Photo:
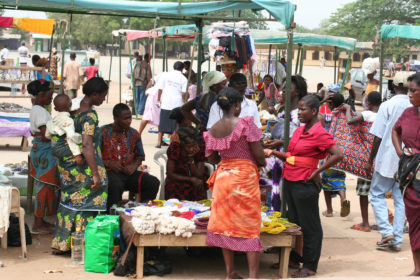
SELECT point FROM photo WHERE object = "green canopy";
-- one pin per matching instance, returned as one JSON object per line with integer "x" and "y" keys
{"x": 281, "y": 10}
{"x": 401, "y": 31}
{"x": 267, "y": 37}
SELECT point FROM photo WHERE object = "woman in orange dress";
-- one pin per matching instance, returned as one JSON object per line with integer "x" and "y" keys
{"x": 235, "y": 219}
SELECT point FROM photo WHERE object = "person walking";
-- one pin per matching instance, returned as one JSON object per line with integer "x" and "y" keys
{"x": 383, "y": 176}
{"x": 407, "y": 131}
{"x": 172, "y": 87}
{"x": 23, "y": 60}
{"x": 142, "y": 76}
{"x": 73, "y": 76}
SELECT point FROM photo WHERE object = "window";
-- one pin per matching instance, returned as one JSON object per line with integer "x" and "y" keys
{"x": 315, "y": 55}
{"x": 304, "y": 54}
{"x": 414, "y": 57}
{"x": 398, "y": 59}
{"x": 327, "y": 55}
{"x": 135, "y": 45}
{"x": 365, "y": 55}
{"x": 356, "y": 56}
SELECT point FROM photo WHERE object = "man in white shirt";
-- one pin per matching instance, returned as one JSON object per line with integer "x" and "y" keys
{"x": 4, "y": 53}
{"x": 386, "y": 165}
{"x": 23, "y": 60}
{"x": 248, "y": 106}
{"x": 172, "y": 87}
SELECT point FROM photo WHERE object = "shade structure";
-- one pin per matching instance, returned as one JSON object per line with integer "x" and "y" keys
{"x": 267, "y": 37}
{"x": 43, "y": 26}
{"x": 281, "y": 10}
{"x": 400, "y": 31}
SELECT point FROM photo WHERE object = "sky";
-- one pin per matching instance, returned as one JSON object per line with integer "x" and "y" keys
{"x": 310, "y": 13}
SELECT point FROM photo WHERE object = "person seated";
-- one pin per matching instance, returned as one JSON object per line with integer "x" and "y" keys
{"x": 62, "y": 124}
{"x": 185, "y": 167}
{"x": 122, "y": 154}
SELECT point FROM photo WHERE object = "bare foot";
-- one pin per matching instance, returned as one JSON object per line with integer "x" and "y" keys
{"x": 415, "y": 273}
{"x": 233, "y": 275}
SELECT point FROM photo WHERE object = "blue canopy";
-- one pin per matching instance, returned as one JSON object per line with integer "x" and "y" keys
{"x": 281, "y": 10}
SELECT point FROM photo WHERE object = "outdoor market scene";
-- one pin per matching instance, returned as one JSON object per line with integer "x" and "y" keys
{"x": 225, "y": 139}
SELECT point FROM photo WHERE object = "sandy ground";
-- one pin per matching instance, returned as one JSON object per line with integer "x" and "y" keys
{"x": 346, "y": 253}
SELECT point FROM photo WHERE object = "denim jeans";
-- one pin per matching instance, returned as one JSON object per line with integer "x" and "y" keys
{"x": 379, "y": 186}
{"x": 140, "y": 99}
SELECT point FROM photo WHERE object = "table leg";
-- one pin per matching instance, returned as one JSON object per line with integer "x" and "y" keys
{"x": 140, "y": 261}
{"x": 24, "y": 144}
{"x": 284, "y": 262}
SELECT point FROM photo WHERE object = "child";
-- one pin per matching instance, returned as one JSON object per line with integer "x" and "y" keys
{"x": 62, "y": 124}
{"x": 192, "y": 90}
{"x": 333, "y": 181}
{"x": 92, "y": 70}
{"x": 373, "y": 101}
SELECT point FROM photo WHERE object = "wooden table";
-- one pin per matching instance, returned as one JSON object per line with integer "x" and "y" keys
{"x": 286, "y": 241}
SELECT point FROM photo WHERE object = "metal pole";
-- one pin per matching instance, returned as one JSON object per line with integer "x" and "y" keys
{"x": 297, "y": 59}
{"x": 287, "y": 103}
{"x": 110, "y": 67}
{"x": 164, "y": 54}
{"x": 381, "y": 61}
{"x": 51, "y": 43}
{"x": 347, "y": 70}
{"x": 133, "y": 86}
{"x": 119, "y": 52}
{"x": 269, "y": 59}
{"x": 200, "y": 51}
{"x": 335, "y": 65}
{"x": 301, "y": 61}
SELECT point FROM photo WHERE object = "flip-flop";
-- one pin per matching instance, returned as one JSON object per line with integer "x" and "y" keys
{"x": 303, "y": 271}
{"x": 345, "y": 209}
{"x": 325, "y": 213}
{"x": 360, "y": 228}
{"x": 385, "y": 242}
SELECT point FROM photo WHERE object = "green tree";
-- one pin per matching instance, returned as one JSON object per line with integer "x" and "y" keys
{"x": 363, "y": 19}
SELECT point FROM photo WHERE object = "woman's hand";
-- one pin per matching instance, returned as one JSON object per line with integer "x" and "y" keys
{"x": 79, "y": 160}
{"x": 197, "y": 183}
{"x": 316, "y": 178}
{"x": 346, "y": 107}
{"x": 272, "y": 144}
{"x": 268, "y": 152}
{"x": 96, "y": 182}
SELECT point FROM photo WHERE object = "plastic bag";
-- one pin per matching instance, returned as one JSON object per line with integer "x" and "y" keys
{"x": 100, "y": 236}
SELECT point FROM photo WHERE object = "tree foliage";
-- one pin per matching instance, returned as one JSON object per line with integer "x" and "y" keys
{"x": 363, "y": 19}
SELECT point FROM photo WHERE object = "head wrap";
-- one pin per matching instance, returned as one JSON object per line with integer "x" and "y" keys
{"x": 334, "y": 88}
{"x": 212, "y": 78}
{"x": 400, "y": 78}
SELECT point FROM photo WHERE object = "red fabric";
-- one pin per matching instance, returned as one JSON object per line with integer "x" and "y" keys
{"x": 408, "y": 126}
{"x": 314, "y": 143}
{"x": 234, "y": 243}
{"x": 235, "y": 145}
{"x": 187, "y": 215}
{"x": 91, "y": 72}
{"x": 123, "y": 148}
{"x": 412, "y": 212}
{"x": 139, "y": 186}
{"x": 324, "y": 109}
{"x": 354, "y": 141}
{"x": 6, "y": 21}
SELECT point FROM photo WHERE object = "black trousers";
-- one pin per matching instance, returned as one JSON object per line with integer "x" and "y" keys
{"x": 120, "y": 182}
{"x": 302, "y": 203}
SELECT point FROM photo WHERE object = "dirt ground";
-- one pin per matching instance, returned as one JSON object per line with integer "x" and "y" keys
{"x": 346, "y": 253}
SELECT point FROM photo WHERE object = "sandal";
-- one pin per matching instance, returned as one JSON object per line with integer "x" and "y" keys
{"x": 360, "y": 228}
{"x": 345, "y": 209}
{"x": 385, "y": 242}
{"x": 303, "y": 273}
{"x": 328, "y": 215}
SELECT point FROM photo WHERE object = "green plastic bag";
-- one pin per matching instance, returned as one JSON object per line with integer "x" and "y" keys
{"x": 100, "y": 235}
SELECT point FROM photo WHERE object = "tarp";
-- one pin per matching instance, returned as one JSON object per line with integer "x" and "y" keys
{"x": 266, "y": 37}
{"x": 43, "y": 26}
{"x": 281, "y": 10}
{"x": 401, "y": 31}
{"x": 135, "y": 34}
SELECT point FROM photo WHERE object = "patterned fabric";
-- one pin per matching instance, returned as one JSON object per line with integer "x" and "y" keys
{"x": 236, "y": 206}
{"x": 235, "y": 145}
{"x": 362, "y": 187}
{"x": 234, "y": 243}
{"x": 54, "y": 67}
{"x": 78, "y": 202}
{"x": 354, "y": 141}
{"x": 202, "y": 114}
{"x": 333, "y": 180}
{"x": 124, "y": 148}
{"x": 44, "y": 171}
{"x": 178, "y": 189}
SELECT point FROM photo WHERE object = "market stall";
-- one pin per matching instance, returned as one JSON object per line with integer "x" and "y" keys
{"x": 14, "y": 122}
{"x": 395, "y": 31}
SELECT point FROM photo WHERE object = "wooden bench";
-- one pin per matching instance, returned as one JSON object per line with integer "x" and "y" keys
{"x": 286, "y": 241}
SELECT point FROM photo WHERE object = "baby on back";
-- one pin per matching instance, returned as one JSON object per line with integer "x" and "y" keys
{"x": 62, "y": 124}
